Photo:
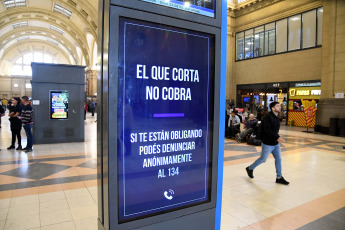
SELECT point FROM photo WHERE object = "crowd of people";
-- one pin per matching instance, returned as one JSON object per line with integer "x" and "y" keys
{"x": 20, "y": 115}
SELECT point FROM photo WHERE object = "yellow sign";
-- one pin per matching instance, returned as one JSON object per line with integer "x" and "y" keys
{"x": 292, "y": 92}
{"x": 301, "y": 92}
{"x": 316, "y": 92}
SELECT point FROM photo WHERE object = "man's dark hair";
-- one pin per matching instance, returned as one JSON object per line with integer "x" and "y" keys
{"x": 273, "y": 104}
{"x": 25, "y": 98}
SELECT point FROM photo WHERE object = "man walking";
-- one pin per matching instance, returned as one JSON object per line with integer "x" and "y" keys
{"x": 270, "y": 143}
{"x": 27, "y": 121}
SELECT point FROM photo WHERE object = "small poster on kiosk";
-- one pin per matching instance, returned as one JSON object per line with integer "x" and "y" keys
{"x": 165, "y": 118}
{"x": 59, "y": 104}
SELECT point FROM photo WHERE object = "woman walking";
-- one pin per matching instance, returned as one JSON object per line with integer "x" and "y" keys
{"x": 16, "y": 123}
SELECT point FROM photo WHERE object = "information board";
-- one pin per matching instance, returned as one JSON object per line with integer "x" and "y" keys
{"x": 165, "y": 118}
{"x": 202, "y": 7}
{"x": 59, "y": 104}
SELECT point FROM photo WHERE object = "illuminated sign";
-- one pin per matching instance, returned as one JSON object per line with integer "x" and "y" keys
{"x": 59, "y": 104}
{"x": 292, "y": 92}
{"x": 316, "y": 92}
{"x": 165, "y": 117}
{"x": 203, "y": 7}
{"x": 308, "y": 84}
{"x": 302, "y": 92}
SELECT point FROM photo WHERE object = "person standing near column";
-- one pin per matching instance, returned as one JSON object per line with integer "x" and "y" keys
{"x": 270, "y": 143}
{"x": 27, "y": 120}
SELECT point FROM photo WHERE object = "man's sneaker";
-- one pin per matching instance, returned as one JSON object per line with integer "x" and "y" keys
{"x": 29, "y": 150}
{"x": 282, "y": 181}
{"x": 250, "y": 172}
{"x": 19, "y": 147}
{"x": 11, "y": 147}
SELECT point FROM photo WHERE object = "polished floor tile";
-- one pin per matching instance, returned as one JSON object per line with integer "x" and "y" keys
{"x": 54, "y": 187}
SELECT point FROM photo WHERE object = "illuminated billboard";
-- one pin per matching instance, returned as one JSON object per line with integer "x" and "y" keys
{"x": 58, "y": 104}
{"x": 165, "y": 118}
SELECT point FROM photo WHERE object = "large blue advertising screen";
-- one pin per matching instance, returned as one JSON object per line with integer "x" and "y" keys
{"x": 202, "y": 7}
{"x": 165, "y": 118}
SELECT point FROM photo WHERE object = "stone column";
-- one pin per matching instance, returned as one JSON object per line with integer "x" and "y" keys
{"x": 91, "y": 76}
{"x": 333, "y": 65}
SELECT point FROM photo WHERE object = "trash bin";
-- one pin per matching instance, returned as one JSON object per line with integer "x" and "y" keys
{"x": 342, "y": 127}
{"x": 333, "y": 126}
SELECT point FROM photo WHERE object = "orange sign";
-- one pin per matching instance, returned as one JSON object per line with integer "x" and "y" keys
{"x": 310, "y": 113}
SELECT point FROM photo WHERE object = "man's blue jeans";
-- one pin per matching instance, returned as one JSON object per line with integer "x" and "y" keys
{"x": 265, "y": 152}
{"x": 29, "y": 136}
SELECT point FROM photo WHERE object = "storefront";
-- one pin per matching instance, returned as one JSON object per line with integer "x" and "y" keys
{"x": 298, "y": 95}
{"x": 257, "y": 97}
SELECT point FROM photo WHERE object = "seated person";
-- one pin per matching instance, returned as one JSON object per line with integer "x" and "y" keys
{"x": 249, "y": 128}
{"x": 233, "y": 124}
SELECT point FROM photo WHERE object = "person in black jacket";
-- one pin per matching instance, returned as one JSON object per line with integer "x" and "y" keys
{"x": 270, "y": 143}
{"x": 16, "y": 123}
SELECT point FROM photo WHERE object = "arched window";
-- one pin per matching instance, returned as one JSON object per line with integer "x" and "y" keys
{"x": 22, "y": 66}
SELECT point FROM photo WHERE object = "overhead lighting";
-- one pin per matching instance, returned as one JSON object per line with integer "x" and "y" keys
{"x": 186, "y": 4}
{"x": 15, "y": 85}
{"x": 62, "y": 10}
{"x": 57, "y": 29}
{"x": 246, "y": 48}
{"x": 14, "y": 3}
{"x": 19, "y": 24}
{"x": 52, "y": 41}
{"x": 22, "y": 38}
{"x": 295, "y": 18}
{"x": 250, "y": 43}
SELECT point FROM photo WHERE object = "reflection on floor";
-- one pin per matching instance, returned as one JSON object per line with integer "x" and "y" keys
{"x": 54, "y": 187}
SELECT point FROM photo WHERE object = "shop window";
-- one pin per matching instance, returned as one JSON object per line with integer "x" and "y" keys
{"x": 270, "y": 39}
{"x": 239, "y": 46}
{"x": 259, "y": 41}
{"x": 309, "y": 29}
{"x": 319, "y": 26}
{"x": 294, "y": 40}
{"x": 281, "y": 36}
{"x": 249, "y": 42}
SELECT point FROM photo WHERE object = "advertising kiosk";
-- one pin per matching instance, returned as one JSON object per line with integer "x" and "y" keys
{"x": 160, "y": 141}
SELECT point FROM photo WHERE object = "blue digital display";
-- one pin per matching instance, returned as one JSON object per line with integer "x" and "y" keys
{"x": 165, "y": 118}
{"x": 203, "y": 7}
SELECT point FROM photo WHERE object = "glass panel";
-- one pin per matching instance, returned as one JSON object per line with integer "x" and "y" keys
{"x": 309, "y": 29}
{"x": 28, "y": 59}
{"x": 270, "y": 39}
{"x": 19, "y": 60}
{"x": 282, "y": 36}
{"x": 48, "y": 58}
{"x": 239, "y": 46}
{"x": 27, "y": 71}
{"x": 319, "y": 25}
{"x": 259, "y": 41}
{"x": 249, "y": 43}
{"x": 17, "y": 70}
{"x": 295, "y": 32}
{"x": 38, "y": 57}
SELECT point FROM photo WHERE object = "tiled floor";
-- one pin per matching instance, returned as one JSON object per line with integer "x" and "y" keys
{"x": 54, "y": 187}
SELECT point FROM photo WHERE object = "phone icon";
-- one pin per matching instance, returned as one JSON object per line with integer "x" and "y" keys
{"x": 168, "y": 194}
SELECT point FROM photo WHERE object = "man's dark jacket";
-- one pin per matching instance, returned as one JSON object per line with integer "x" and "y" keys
{"x": 269, "y": 129}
